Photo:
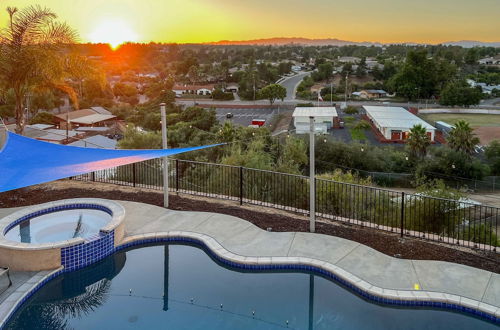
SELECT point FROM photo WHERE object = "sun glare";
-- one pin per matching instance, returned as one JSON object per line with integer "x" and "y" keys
{"x": 113, "y": 32}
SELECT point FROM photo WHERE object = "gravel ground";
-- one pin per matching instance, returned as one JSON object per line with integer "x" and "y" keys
{"x": 280, "y": 221}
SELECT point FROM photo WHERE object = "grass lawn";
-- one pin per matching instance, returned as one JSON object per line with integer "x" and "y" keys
{"x": 357, "y": 134}
{"x": 475, "y": 120}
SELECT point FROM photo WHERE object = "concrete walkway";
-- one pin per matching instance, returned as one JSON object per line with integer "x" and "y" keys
{"x": 240, "y": 241}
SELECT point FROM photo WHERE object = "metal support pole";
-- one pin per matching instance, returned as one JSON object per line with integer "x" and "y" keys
{"x": 402, "y": 213}
{"x": 165, "y": 159}
{"x": 241, "y": 185}
{"x": 177, "y": 175}
{"x": 134, "y": 179}
{"x": 312, "y": 180}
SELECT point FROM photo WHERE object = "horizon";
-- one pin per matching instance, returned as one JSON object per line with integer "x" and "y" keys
{"x": 197, "y": 22}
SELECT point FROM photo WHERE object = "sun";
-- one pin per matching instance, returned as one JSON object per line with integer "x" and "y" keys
{"x": 113, "y": 32}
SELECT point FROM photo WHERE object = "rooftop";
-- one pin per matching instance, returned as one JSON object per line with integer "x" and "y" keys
{"x": 315, "y": 112}
{"x": 92, "y": 119}
{"x": 96, "y": 141}
{"x": 76, "y": 114}
{"x": 395, "y": 117}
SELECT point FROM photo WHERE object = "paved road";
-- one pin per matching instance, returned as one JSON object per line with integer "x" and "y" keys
{"x": 244, "y": 117}
{"x": 494, "y": 101}
{"x": 325, "y": 103}
{"x": 291, "y": 84}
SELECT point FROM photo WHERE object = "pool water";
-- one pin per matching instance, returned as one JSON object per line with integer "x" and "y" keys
{"x": 59, "y": 226}
{"x": 181, "y": 287}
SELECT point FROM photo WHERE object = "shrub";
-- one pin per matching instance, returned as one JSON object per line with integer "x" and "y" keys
{"x": 218, "y": 94}
{"x": 363, "y": 124}
{"x": 351, "y": 110}
{"x": 304, "y": 105}
{"x": 42, "y": 118}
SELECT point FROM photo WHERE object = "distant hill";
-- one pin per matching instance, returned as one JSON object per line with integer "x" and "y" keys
{"x": 298, "y": 41}
{"x": 338, "y": 42}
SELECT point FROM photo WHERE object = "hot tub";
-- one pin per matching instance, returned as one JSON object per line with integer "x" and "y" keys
{"x": 59, "y": 226}
{"x": 69, "y": 233}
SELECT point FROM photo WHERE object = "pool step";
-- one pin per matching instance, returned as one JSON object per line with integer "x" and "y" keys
{"x": 4, "y": 279}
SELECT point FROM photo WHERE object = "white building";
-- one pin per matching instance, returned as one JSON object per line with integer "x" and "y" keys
{"x": 324, "y": 118}
{"x": 489, "y": 61}
{"x": 485, "y": 88}
{"x": 394, "y": 123}
{"x": 193, "y": 89}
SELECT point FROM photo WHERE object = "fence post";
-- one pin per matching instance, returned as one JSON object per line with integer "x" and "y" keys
{"x": 177, "y": 175}
{"x": 93, "y": 176}
{"x": 133, "y": 174}
{"x": 402, "y": 213}
{"x": 241, "y": 185}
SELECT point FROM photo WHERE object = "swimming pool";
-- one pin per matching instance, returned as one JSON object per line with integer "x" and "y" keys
{"x": 59, "y": 226}
{"x": 181, "y": 287}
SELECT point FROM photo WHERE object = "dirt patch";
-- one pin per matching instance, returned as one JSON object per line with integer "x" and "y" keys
{"x": 283, "y": 121}
{"x": 279, "y": 221}
{"x": 487, "y": 134}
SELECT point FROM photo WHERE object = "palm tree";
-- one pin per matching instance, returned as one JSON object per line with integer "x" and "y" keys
{"x": 462, "y": 138}
{"x": 418, "y": 141}
{"x": 32, "y": 55}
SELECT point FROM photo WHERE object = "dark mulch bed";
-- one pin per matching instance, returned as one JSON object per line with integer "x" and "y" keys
{"x": 387, "y": 243}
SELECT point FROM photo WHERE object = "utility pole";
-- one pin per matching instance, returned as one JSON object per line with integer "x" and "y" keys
{"x": 312, "y": 180}
{"x": 331, "y": 93}
{"x": 253, "y": 75}
{"x": 165, "y": 159}
{"x": 346, "y": 78}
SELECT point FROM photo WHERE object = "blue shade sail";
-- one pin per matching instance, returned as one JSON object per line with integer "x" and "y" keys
{"x": 25, "y": 162}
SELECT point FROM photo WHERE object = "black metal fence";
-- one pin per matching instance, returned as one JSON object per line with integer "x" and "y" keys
{"x": 456, "y": 222}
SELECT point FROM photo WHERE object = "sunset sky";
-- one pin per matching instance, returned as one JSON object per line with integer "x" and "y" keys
{"x": 182, "y": 21}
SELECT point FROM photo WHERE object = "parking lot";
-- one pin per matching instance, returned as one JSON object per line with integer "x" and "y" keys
{"x": 243, "y": 117}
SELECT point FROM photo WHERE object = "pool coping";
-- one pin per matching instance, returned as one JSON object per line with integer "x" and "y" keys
{"x": 401, "y": 297}
{"x": 7, "y": 222}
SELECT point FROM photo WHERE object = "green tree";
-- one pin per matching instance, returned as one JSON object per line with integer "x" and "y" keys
{"x": 31, "y": 56}
{"x": 492, "y": 153}
{"x": 43, "y": 118}
{"x": 273, "y": 92}
{"x": 420, "y": 76}
{"x": 418, "y": 141}
{"x": 134, "y": 139}
{"x": 459, "y": 93}
{"x": 462, "y": 138}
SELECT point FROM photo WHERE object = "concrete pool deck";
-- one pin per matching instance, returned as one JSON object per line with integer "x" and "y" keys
{"x": 239, "y": 241}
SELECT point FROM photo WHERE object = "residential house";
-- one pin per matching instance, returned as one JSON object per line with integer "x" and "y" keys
{"x": 85, "y": 117}
{"x": 232, "y": 88}
{"x": 372, "y": 94}
{"x": 180, "y": 90}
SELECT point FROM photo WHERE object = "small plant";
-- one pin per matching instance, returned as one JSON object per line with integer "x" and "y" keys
{"x": 351, "y": 110}
{"x": 363, "y": 124}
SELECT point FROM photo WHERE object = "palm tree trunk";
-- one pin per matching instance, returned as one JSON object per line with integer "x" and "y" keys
{"x": 20, "y": 118}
